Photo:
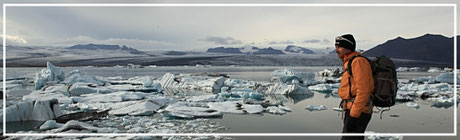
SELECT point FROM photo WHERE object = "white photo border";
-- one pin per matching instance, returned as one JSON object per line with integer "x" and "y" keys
{"x": 454, "y": 6}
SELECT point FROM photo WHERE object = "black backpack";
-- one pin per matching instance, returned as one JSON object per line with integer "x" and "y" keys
{"x": 385, "y": 80}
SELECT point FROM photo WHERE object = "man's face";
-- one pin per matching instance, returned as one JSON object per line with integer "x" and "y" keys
{"x": 341, "y": 51}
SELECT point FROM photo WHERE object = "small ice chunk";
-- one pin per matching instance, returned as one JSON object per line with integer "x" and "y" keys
{"x": 316, "y": 107}
{"x": 442, "y": 102}
{"x": 50, "y": 124}
{"x": 413, "y": 105}
{"x": 76, "y": 125}
{"x": 371, "y": 135}
{"x": 285, "y": 108}
{"x": 337, "y": 109}
{"x": 275, "y": 110}
{"x": 227, "y": 107}
{"x": 402, "y": 69}
{"x": 189, "y": 112}
{"x": 323, "y": 87}
{"x": 252, "y": 109}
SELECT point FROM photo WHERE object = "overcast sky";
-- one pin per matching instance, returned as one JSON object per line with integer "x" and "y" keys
{"x": 199, "y": 28}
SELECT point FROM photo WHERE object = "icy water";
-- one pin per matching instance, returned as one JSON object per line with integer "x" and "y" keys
{"x": 401, "y": 118}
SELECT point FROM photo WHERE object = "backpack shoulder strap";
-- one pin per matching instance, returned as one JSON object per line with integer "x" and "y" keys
{"x": 349, "y": 64}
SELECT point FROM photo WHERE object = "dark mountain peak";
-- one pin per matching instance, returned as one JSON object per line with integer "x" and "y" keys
{"x": 428, "y": 47}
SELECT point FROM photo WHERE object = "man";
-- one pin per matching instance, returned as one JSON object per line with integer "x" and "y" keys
{"x": 356, "y": 89}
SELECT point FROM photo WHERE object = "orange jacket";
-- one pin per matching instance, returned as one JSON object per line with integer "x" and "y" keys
{"x": 362, "y": 85}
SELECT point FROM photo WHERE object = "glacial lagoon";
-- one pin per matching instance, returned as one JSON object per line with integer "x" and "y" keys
{"x": 404, "y": 117}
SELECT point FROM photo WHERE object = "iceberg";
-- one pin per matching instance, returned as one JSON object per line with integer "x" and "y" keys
{"x": 291, "y": 76}
{"x": 442, "y": 102}
{"x": 78, "y": 76}
{"x": 316, "y": 107}
{"x": 205, "y": 98}
{"x": 281, "y": 88}
{"x": 39, "y": 110}
{"x": 447, "y": 78}
{"x": 330, "y": 73}
{"x": 185, "y": 82}
{"x": 51, "y": 74}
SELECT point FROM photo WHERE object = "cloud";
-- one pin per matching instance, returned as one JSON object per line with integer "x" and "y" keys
{"x": 281, "y": 42}
{"x": 222, "y": 40}
{"x": 14, "y": 40}
{"x": 326, "y": 41}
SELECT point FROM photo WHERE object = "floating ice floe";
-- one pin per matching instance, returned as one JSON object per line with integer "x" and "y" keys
{"x": 447, "y": 78}
{"x": 280, "y": 88}
{"x": 275, "y": 110}
{"x": 316, "y": 107}
{"x": 428, "y": 80}
{"x": 141, "y": 109}
{"x": 39, "y": 110}
{"x": 227, "y": 107}
{"x": 79, "y": 88}
{"x": 373, "y": 136}
{"x": 442, "y": 102}
{"x": 413, "y": 105}
{"x": 119, "y": 96}
{"x": 174, "y": 83}
{"x": 406, "y": 96}
{"x": 51, "y": 74}
{"x": 402, "y": 69}
{"x": 72, "y": 125}
{"x": 291, "y": 76}
{"x": 205, "y": 98}
{"x": 239, "y": 83}
{"x": 244, "y": 93}
{"x": 78, "y": 76}
{"x": 187, "y": 111}
{"x": 435, "y": 69}
{"x": 50, "y": 124}
{"x": 62, "y": 97}
{"x": 252, "y": 109}
{"x": 324, "y": 87}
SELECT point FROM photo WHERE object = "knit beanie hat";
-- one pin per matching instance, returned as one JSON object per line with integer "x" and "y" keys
{"x": 346, "y": 41}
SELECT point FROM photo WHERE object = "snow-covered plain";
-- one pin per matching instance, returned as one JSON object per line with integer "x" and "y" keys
{"x": 184, "y": 102}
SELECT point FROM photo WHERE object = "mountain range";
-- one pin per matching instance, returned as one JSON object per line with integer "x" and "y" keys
{"x": 106, "y": 47}
{"x": 426, "y": 50}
